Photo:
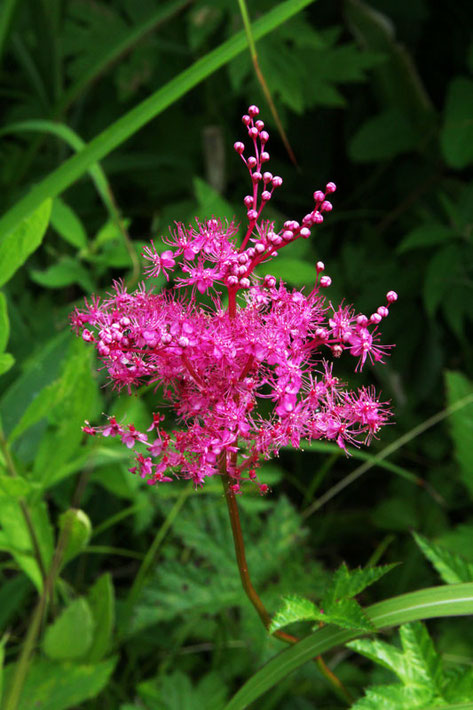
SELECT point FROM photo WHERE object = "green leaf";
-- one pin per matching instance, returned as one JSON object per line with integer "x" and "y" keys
{"x": 18, "y": 537}
{"x": 70, "y": 636}
{"x": 452, "y": 568}
{"x": 426, "y": 235}
{"x": 64, "y": 436}
{"x": 461, "y": 424}
{"x": 383, "y": 137}
{"x": 6, "y": 362}
{"x": 79, "y": 530}
{"x": 13, "y": 593}
{"x": 293, "y": 609}
{"x": 176, "y": 692}
{"x": 349, "y": 583}
{"x": 441, "y": 277}
{"x": 58, "y": 686}
{"x": 101, "y": 598}
{"x": 395, "y": 697}
{"x": 211, "y": 203}
{"x": 4, "y": 323}
{"x": 418, "y": 666}
{"x": 22, "y": 238}
{"x": 126, "y": 126}
{"x": 448, "y": 600}
{"x": 67, "y": 224}
{"x": 2, "y": 659}
{"x": 457, "y": 132}
{"x": 66, "y": 272}
{"x": 40, "y": 407}
{"x": 14, "y": 487}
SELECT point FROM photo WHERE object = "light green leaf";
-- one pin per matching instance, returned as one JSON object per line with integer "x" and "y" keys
{"x": 461, "y": 424}
{"x": 452, "y": 568}
{"x": 23, "y": 239}
{"x": 6, "y": 362}
{"x": 382, "y": 653}
{"x": 58, "y": 686}
{"x": 101, "y": 598}
{"x": 66, "y": 272}
{"x": 78, "y": 529}
{"x": 2, "y": 658}
{"x": 382, "y": 137}
{"x": 14, "y": 487}
{"x": 294, "y": 609}
{"x": 4, "y": 323}
{"x": 70, "y": 635}
{"x": 177, "y": 692}
{"x": 346, "y": 613}
{"x": 79, "y": 396}
{"x": 67, "y": 224}
{"x": 395, "y": 697}
{"x": 457, "y": 132}
{"x": 18, "y": 537}
{"x": 426, "y": 236}
{"x": 349, "y": 583}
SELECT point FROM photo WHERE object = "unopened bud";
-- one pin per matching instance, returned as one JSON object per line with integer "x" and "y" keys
{"x": 391, "y": 296}
{"x": 325, "y": 281}
{"x": 239, "y": 147}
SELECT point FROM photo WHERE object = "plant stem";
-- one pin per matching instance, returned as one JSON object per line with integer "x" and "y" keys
{"x": 253, "y": 596}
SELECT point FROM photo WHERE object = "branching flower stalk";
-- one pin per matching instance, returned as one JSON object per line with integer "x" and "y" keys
{"x": 244, "y": 376}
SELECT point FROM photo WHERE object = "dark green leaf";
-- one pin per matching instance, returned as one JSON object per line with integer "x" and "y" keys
{"x": 457, "y": 132}
{"x": 426, "y": 235}
{"x": 101, "y": 598}
{"x": 4, "y": 323}
{"x": 461, "y": 424}
{"x": 383, "y": 137}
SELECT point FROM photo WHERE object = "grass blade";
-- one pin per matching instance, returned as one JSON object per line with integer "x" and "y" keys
{"x": 434, "y": 602}
{"x": 131, "y": 122}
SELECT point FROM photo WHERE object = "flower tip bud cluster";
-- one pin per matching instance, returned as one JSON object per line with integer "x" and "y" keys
{"x": 216, "y": 366}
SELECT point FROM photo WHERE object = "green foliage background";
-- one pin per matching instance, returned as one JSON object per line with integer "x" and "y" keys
{"x": 118, "y": 118}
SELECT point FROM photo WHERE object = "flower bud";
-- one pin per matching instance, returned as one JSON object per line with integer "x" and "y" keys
{"x": 319, "y": 196}
{"x": 277, "y": 181}
{"x": 330, "y": 187}
{"x": 264, "y": 136}
{"x": 239, "y": 147}
{"x": 253, "y": 110}
{"x": 325, "y": 281}
{"x": 259, "y": 125}
{"x": 305, "y": 233}
{"x": 264, "y": 157}
{"x": 391, "y": 296}
{"x": 251, "y": 162}
{"x": 253, "y": 132}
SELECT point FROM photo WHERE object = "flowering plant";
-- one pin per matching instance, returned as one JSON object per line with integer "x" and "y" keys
{"x": 253, "y": 339}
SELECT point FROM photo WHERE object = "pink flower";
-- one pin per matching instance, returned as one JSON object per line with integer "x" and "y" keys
{"x": 245, "y": 369}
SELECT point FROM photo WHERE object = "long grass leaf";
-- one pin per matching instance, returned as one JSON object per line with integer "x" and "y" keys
{"x": 126, "y": 126}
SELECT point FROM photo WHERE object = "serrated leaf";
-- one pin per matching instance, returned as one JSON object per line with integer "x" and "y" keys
{"x": 4, "y": 323}
{"x": 457, "y": 132}
{"x": 347, "y": 614}
{"x": 380, "y": 652}
{"x": 70, "y": 635}
{"x": 16, "y": 246}
{"x": 382, "y": 137}
{"x": 176, "y": 692}
{"x": 452, "y": 568}
{"x": 426, "y": 235}
{"x": 423, "y": 662}
{"x": 101, "y": 598}
{"x": 461, "y": 424}
{"x": 58, "y": 686}
{"x": 67, "y": 224}
{"x": 394, "y": 697}
{"x": 293, "y": 609}
{"x": 348, "y": 583}
{"x": 76, "y": 526}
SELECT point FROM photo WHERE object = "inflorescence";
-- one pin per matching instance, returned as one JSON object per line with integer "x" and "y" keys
{"x": 239, "y": 357}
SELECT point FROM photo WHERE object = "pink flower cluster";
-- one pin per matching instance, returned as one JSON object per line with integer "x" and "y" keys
{"x": 239, "y": 357}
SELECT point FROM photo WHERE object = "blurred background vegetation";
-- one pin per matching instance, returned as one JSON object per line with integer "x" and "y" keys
{"x": 147, "y": 610}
